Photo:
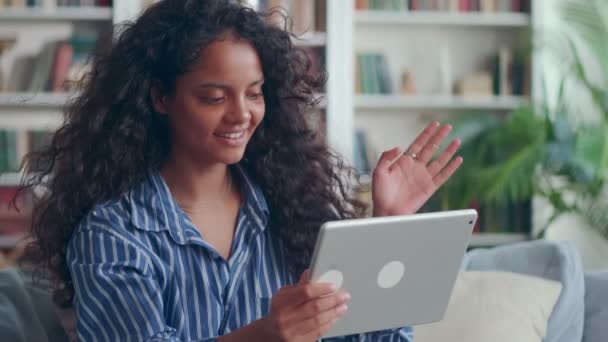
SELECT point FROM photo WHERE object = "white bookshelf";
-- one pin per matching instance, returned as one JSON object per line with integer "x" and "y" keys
{"x": 411, "y": 40}
{"x": 496, "y": 239}
{"x": 437, "y": 102}
{"x": 32, "y": 27}
{"x": 374, "y": 17}
{"x": 103, "y": 14}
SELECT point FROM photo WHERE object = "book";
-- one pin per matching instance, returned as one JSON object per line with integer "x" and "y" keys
{"x": 43, "y": 67}
{"x": 373, "y": 74}
{"x": 505, "y": 59}
{"x": 445, "y": 5}
{"x": 53, "y": 4}
{"x": 9, "y": 158}
{"x": 61, "y": 67}
{"x": 320, "y": 15}
{"x": 477, "y": 84}
{"x": 303, "y": 14}
{"x": 488, "y": 6}
{"x": 360, "y": 160}
{"x": 386, "y": 86}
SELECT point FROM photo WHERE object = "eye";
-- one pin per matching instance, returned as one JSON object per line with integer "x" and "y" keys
{"x": 255, "y": 96}
{"x": 212, "y": 100}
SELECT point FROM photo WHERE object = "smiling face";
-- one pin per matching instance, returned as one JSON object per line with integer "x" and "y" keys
{"x": 217, "y": 104}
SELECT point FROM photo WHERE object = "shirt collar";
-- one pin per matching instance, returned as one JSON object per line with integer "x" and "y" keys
{"x": 153, "y": 208}
{"x": 253, "y": 199}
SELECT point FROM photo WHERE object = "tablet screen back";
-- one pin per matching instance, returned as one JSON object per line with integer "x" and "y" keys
{"x": 399, "y": 270}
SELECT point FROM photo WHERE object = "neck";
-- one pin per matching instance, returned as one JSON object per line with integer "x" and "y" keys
{"x": 191, "y": 183}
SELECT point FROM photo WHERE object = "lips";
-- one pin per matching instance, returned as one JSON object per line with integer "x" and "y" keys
{"x": 232, "y": 135}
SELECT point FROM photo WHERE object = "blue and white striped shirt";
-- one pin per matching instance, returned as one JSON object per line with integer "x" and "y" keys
{"x": 142, "y": 271}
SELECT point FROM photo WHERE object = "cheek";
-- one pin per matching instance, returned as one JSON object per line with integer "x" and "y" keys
{"x": 257, "y": 114}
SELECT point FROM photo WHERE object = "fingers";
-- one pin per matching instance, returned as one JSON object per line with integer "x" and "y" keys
{"x": 438, "y": 164}
{"x": 424, "y": 137}
{"x": 447, "y": 172}
{"x": 387, "y": 158}
{"x": 302, "y": 293}
{"x": 317, "y": 306}
{"x": 322, "y": 321}
{"x": 316, "y": 335}
{"x": 433, "y": 144}
{"x": 305, "y": 277}
{"x": 318, "y": 310}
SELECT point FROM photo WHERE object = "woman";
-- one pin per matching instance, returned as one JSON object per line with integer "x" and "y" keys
{"x": 186, "y": 188}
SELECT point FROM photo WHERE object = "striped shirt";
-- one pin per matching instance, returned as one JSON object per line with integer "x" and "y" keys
{"x": 142, "y": 271}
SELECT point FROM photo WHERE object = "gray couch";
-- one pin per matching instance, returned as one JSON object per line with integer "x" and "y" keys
{"x": 581, "y": 313}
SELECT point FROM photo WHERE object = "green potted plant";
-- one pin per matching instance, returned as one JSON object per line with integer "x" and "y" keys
{"x": 540, "y": 150}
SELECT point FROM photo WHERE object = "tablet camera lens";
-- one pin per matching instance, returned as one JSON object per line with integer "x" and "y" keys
{"x": 470, "y": 222}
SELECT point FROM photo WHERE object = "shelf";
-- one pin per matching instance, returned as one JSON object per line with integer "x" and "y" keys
{"x": 31, "y": 110}
{"x": 33, "y": 100}
{"x": 443, "y": 18}
{"x": 311, "y": 39}
{"x": 10, "y": 179}
{"x": 57, "y": 14}
{"x": 495, "y": 239}
{"x": 437, "y": 102}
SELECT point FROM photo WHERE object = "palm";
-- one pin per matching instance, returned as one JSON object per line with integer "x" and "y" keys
{"x": 402, "y": 184}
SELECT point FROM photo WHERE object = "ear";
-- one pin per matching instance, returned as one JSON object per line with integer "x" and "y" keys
{"x": 159, "y": 100}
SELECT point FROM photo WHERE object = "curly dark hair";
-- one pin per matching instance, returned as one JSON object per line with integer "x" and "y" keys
{"x": 112, "y": 136}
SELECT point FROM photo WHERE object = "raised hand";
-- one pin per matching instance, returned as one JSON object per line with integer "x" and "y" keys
{"x": 403, "y": 182}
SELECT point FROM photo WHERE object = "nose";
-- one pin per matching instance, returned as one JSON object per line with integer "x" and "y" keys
{"x": 239, "y": 111}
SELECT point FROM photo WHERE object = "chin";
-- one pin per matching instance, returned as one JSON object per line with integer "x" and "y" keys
{"x": 232, "y": 158}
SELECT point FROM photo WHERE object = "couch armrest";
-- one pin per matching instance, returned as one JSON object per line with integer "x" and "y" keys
{"x": 596, "y": 307}
{"x": 552, "y": 260}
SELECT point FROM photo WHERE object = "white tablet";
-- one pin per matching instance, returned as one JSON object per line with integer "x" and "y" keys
{"x": 399, "y": 270}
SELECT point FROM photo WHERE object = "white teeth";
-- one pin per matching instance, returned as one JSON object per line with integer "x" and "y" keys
{"x": 237, "y": 135}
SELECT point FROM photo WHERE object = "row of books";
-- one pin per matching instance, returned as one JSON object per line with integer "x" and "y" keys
{"x": 446, "y": 5}
{"x": 372, "y": 75}
{"x": 307, "y": 15}
{"x": 507, "y": 73}
{"x": 15, "y": 144}
{"x": 49, "y": 4}
{"x": 57, "y": 68}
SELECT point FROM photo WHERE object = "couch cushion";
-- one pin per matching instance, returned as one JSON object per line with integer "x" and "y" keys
{"x": 26, "y": 311}
{"x": 495, "y": 306}
{"x": 596, "y": 307}
{"x": 551, "y": 260}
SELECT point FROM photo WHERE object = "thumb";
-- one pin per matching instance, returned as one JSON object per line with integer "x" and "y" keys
{"x": 305, "y": 277}
{"x": 387, "y": 158}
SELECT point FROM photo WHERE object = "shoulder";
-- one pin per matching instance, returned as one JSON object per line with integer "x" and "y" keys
{"x": 110, "y": 217}
{"x": 104, "y": 237}
{"x": 121, "y": 214}
{"x": 107, "y": 223}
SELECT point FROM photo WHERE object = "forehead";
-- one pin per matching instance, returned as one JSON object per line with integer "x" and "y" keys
{"x": 228, "y": 57}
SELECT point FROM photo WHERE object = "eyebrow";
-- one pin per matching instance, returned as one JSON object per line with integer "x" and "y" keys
{"x": 225, "y": 86}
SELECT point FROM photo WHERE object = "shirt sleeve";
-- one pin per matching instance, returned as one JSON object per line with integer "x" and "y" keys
{"x": 116, "y": 294}
{"x": 392, "y": 335}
